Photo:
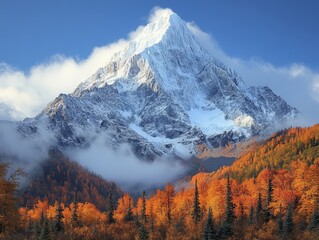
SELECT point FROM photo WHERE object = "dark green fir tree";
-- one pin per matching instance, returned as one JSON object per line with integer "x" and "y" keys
{"x": 58, "y": 219}
{"x": 270, "y": 190}
{"x": 36, "y": 230}
{"x": 251, "y": 215}
{"x": 259, "y": 209}
{"x": 196, "y": 212}
{"x": 227, "y": 226}
{"x": 209, "y": 229}
{"x": 314, "y": 221}
{"x": 129, "y": 213}
{"x": 110, "y": 209}
{"x": 143, "y": 210}
{"x": 288, "y": 225}
{"x": 75, "y": 220}
{"x": 143, "y": 233}
{"x": 45, "y": 232}
{"x": 242, "y": 216}
{"x": 280, "y": 222}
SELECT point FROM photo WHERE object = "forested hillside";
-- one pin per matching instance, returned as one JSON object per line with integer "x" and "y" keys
{"x": 59, "y": 178}
{"x": 278, "y": 152}
{"x": 271, "y": 192}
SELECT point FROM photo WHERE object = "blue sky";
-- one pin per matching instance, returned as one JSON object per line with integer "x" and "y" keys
{"x": 280, "y": 32}
{"x": 49, "y": 47}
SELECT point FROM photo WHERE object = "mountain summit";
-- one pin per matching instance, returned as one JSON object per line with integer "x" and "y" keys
{"x": 163, "y": 94}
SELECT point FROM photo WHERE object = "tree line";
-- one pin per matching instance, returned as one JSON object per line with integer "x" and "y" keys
{"x": 163, "y": 218}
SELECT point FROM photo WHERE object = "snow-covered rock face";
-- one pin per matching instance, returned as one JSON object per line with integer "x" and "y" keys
{"x": 163, "y": 94}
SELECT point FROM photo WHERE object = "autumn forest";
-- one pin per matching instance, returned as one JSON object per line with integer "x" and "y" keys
{"x": 272, "y": 192}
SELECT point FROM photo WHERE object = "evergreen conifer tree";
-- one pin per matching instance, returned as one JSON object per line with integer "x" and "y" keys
{"x": 209, "y": 229}
{"x": 129, "y": 214}
{"x": 242, "y": 212}
{"x": 280, "y": 222}
{"x": 314, "y": 221}
{"x": 42, "y": 218}
{"x": 227, "y": 228}
{"x": 110, "y": 210}
{"x": 288, "y": 225}
{"x": 269, "y": 199}
{"x": 169, "y": 192}
{"x": 270, "y": 190}
{"x": 30, "y": 227}
{"x": 36, "y": 230}
{"x": 196, "y": 213}
{"x": 137, "y": 220}
{"x": 58, "y": 223}
{"x": 251, "y": 215}
{"x": 75, "y": 221}
{"x": 259, "y": 209}
{"x": 45, "y": 232}
{"x": 143, "y": 233}
{"x": 143, "y": 210}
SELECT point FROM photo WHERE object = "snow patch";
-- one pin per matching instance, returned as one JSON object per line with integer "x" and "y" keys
{"x": 244, "y": 121}
{"x": 210, "y": 121}
{"x": 178, "y": 147}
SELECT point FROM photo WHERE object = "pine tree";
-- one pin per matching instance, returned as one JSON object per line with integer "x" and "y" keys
{"x": 143, "y": 233}
{"x": 251, "y": 215}
{"x": 129, "y": 214}
{"x": 269, "y": 198}
{"x": 137, "y": 220}
{"x": 110, "y": 210}
{"x": 242, "y": 212}
{"x": 170, "y": 192}
{"x": 58, "y": 223}
{"x": 75, "y": 221}
{"x": 259, "y": 209}
{"x": 209, "y": 230}
{"x": 36, "y": 230}
{"x": 196, "y": 213}
{"x": 280, "y": 222}
{"x": 314, "y": 221}
{"x": 180, "y": 225}
{"x": 30, "y": 227}
{"x": 45, "y": 232}
{"x": 288, "y": 225}
{"x": 42, "y": 218}
{"x": 143, "y": 210}
{"x": 227, "y": 228}
{"x": 51, "y": 225}
{"x": 270, "y": 190}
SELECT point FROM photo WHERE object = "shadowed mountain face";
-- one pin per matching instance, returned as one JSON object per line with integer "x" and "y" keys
{"x": 163, "y": 95}
{"x": 59, "y": 178}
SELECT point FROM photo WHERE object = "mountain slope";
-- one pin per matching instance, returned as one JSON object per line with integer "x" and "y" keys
{"x": 277, "y": 152}
{"x": 164, "y": 95}
{"x": 59, "y": 178}
{"x": 291, "y": 181}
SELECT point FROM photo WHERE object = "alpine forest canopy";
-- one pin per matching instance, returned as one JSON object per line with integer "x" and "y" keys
{"x": 271, "y": 192}
{"x": 60, "y": 178}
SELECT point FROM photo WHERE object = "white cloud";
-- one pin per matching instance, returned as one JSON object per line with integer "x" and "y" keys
{"x": 26, "y": 94}
{"x": 30, "y": 92}
{"x": 123, "y": 167}
{"x": 158, "y": 12}
{"x": 8, "y": 112}
{"x": 23, "y": 152}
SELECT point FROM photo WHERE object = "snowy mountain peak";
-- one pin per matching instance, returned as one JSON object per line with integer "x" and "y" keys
{"x": 165, "y": 43}
{"x": 162, "y": 93}
{"x": 161, "y": 24}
